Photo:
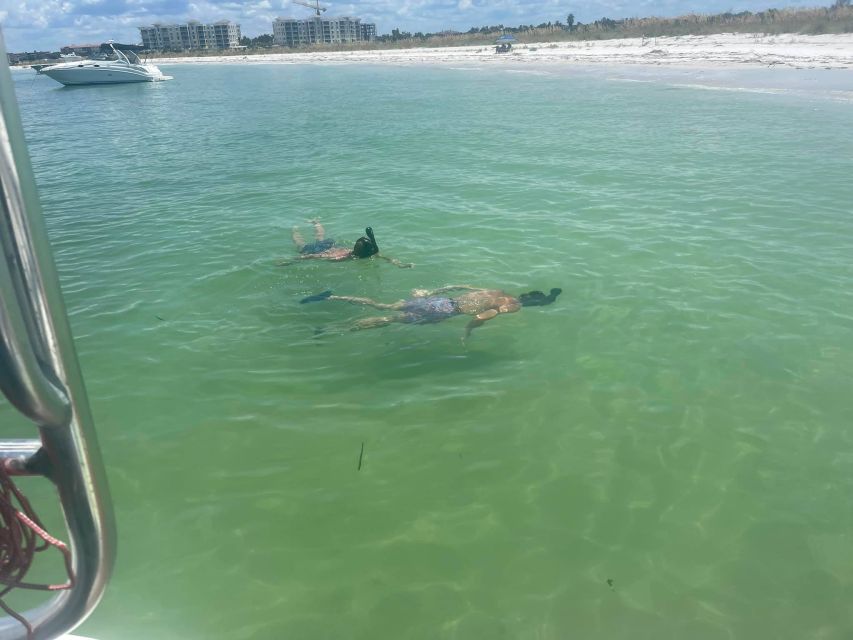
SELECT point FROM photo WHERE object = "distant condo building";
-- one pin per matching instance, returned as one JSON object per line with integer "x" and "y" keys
{"x": 290, "y": 32}
{"x": 192, "y": 35}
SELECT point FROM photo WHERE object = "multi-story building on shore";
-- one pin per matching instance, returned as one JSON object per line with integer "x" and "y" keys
{"x": 292, "y": 32}
{"x": 368, "y": 32}
{"x": 192, "y": 35}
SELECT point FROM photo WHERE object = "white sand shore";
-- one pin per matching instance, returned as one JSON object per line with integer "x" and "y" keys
{"x": 722, "y": 50}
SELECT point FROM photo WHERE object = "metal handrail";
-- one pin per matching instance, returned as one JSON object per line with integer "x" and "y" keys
{"x": 40, "y": 376}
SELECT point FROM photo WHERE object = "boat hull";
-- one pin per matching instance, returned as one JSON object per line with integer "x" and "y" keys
{"x": 89, "y": 74}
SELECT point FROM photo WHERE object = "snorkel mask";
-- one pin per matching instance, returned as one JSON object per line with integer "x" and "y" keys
{"x": 366, "y": 247}
{"x": 538, "y": 299}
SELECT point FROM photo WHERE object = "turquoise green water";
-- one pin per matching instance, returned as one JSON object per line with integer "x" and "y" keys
{"x": 679, "y": 423}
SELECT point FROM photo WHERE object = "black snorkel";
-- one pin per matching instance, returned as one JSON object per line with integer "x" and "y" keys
{"x": 369, "y": 232}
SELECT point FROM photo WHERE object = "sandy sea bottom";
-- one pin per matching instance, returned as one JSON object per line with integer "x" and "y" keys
{"x": 664, "y": 452}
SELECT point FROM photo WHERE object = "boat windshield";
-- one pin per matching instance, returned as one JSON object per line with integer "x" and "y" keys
{"x": 126, "y": 56}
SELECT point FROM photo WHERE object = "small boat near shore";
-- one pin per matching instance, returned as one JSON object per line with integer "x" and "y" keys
{"x": 125, "y": 67}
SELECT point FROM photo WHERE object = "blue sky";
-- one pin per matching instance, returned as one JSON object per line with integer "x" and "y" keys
{"x": 51, "y": 24}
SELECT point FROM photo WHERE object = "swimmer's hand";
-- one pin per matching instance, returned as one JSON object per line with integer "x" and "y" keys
{"x": 284, "y": 262}
{"x": 317, "y": 297}
{"x": 420, "y": 293}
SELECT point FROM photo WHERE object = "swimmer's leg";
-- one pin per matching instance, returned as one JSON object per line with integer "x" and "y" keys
{"x": 373, "y": 323}
{"x": 319, "y": 231}
{"x": 367, "y": 302}
{"x": 298, "y": 240}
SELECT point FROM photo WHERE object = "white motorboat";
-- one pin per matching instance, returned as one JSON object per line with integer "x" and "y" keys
{"x": 126, "y": 67}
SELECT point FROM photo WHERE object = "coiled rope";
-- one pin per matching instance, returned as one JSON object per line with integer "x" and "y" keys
{"x": 22, "y": 535}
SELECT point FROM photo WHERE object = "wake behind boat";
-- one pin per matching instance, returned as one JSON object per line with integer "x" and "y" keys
{"x": 126, "y": 67}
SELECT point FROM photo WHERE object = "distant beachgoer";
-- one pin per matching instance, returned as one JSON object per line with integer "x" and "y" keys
{"x": 429, "y": 306}
{"x": 323, "y": 248}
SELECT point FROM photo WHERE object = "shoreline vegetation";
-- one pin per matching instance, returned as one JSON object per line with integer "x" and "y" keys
{"x": 836, "y": 19}
{"x": 830, "y": 51}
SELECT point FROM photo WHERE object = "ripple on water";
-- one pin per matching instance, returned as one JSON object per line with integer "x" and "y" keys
{"x": 677, "y": 423}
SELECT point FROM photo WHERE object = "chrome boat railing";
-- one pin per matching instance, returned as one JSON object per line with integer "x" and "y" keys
{"x": 40, "y": 376}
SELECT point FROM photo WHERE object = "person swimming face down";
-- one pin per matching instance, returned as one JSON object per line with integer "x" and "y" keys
{"x": 365, "y": 246}
{"x": 326, "y": 249}
{"x": 428, "y": 306}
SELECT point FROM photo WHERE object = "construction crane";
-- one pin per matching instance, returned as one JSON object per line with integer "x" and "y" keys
{"x": 311, "y": 5}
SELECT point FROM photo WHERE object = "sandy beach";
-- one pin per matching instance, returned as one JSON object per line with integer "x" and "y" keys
{"x": 722, "y": 50}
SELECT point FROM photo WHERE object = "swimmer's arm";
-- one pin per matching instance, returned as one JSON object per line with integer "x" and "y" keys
{"x": 325, "y": 256}
{"x": 478, "y": 321}
{"x": 425, "y": 293}
{"x": 286, "y": 262}
{"x": 396, "y": 263}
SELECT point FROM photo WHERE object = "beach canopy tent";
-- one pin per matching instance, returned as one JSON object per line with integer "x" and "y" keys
{"x": 506, "y": 39}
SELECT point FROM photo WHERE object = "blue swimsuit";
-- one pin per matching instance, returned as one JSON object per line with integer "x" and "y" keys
{"x": 432, "y": 309}
{"x": 318, "y": 246}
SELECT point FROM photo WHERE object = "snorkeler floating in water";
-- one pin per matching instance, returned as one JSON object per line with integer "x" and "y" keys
{"x": 324, "y": 248}
{"x": 428, "y": 306}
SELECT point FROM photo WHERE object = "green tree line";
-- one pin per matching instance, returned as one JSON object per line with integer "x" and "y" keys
{"x": 837, "y": 18}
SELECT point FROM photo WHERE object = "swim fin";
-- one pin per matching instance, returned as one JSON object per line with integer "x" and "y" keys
{"x": 316, "y": 297}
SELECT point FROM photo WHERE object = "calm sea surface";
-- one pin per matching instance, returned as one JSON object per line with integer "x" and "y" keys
{"x": 666, "y": 452}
